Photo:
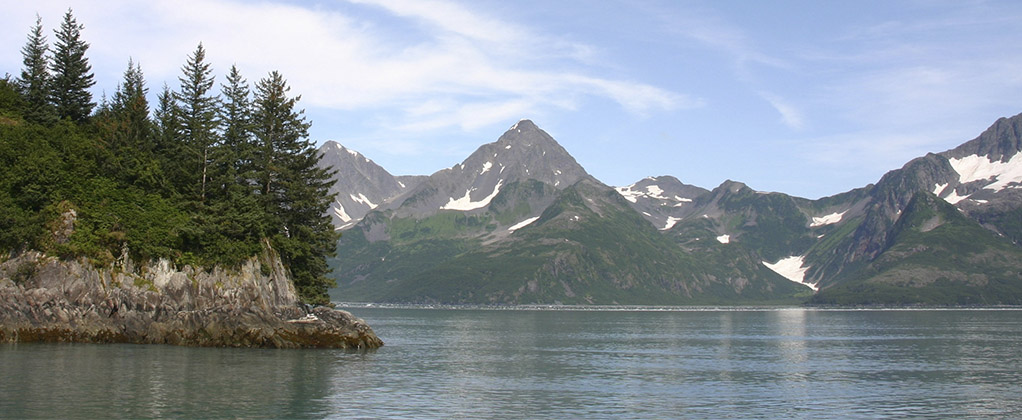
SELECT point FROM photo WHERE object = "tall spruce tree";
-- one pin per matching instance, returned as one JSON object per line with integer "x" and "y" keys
{"x": 72, "y": 74}
{"x": 293, "y": 188}
{"x": 198, "y": 122}
{"x": 233, "y": 213}
{"x": 237, "y": 151}
{"x": 34, "y": 82}
{"x": 131, "y": 107}
{"x": 165, "y": 118}
{"x": 128, "y": 131}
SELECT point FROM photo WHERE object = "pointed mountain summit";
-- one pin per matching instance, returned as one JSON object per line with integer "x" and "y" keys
{"x": 361, "y": 185}
{"x": 1000, "y": 142}
{"x": 987, "y": 168}
{"x": 524, "y": 152}
{"x": 987, "y": 178}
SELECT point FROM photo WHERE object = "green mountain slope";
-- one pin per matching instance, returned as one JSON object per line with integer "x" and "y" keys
{"x": 587, "y": 247}
{"x": 935, "y": 255}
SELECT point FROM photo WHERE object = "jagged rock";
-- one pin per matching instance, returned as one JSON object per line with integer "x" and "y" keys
{"x": 43, "y": 298}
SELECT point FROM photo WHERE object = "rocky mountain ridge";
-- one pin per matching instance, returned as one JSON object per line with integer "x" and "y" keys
{"x": 361, "y": 185}
{"x": 481, "y": 209}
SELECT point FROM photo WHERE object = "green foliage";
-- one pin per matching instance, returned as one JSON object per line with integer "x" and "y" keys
{"x": 35, "y": 77}
{"x": 293, "y": 189}
{"x": 72, "y": 73}
{"x": 183, "y": 185}
{"x": 11, "y": 103}
{"x": 1007, "y": 221}
{"x": 198, "y": 124}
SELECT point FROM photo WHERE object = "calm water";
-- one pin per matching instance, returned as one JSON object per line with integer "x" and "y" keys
{"x": 556, "y": 364}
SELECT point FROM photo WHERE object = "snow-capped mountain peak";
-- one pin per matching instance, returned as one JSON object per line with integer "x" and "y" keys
{"x": 522, "y": 153}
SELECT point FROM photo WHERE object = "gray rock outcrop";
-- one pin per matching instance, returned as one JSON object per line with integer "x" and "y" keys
{"x": 43, "y": 298}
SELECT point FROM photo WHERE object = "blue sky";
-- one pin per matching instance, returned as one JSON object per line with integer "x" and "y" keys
{"x": 810, "y": 98}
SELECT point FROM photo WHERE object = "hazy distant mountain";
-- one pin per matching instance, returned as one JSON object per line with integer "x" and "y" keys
{"x": 520, "y": 221}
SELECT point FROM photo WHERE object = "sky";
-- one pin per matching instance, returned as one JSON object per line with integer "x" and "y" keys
{"x": 810, "y": 98}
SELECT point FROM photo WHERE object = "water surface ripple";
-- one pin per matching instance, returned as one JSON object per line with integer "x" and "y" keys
{"x": 792, "y": 363}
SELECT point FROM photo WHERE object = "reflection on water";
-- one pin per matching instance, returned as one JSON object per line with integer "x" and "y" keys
{"x": 548, "y": 364}
{"x": 97, "y": 381}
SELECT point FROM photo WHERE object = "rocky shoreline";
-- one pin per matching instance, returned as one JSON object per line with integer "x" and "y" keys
{"x": 46, "y": 299}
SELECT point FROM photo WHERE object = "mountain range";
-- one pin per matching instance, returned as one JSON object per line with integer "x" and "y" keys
{"x": 521, "y": 222}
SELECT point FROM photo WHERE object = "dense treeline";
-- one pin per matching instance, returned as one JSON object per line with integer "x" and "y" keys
{"x": 205, "y": 178}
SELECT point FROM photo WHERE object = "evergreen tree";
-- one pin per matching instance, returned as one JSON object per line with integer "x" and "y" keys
{"x": 238, "y": 147}
{"x": 293, "y": 188}
{"x": 128, "y": 131}
{"x": 131, "y": 107}
{"x": 197, "y": 121}
{"x": 233, "y": 213}
{"x": 35, "y": 77}
{"x": 11, "y": 101}
{"x": 168, "y": 145}
{"x": 165, "y": 118}
{"x": 72, "y": 74}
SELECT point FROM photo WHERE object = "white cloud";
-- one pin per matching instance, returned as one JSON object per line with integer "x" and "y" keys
{"x": 790, "y": 115}
{"x": 451, "y": 17}
{"x": 478, "y": 68}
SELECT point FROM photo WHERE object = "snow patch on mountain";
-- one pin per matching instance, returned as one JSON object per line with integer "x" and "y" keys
{"x": 725, "y": 238}
{"x": 827, "y": 219}
{"x": 465, "y": 203}
{"x": 362, "y": 199}
{"x": 979, "y": 168}
{"x": 671, "y": 221}
{"x": 523, "y": 223}
{"x": 632, "y": 194}
{"x": 655, "y": 191}
{"x": 341, "y": 214}
{"x": 486, "y": 167}
{"x": 954, "y": 198}
{"x": 628, "y": 194}
{"x": 792, "y": 268}
{"x": 939, "y": 188}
